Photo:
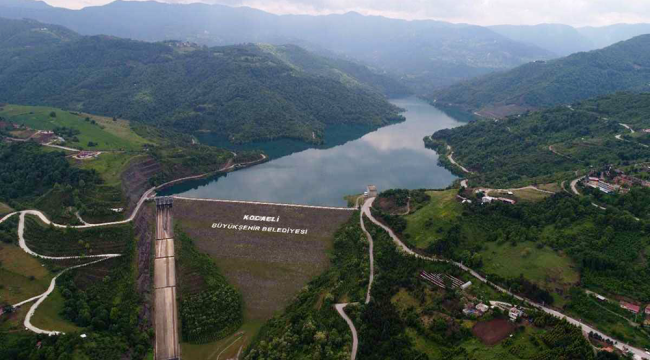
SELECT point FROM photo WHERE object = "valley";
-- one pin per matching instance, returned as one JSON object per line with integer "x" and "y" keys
{"x": 358, "y": 181}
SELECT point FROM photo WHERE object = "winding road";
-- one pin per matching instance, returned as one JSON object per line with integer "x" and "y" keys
{"x": 23, "y": 245}
{"x": 585, "y": 328}
{"x": 355, "y": 338}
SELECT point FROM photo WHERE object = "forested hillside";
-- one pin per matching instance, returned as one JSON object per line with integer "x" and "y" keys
{"x": 622, "y": 66}
{"x": 247, "y": 92}
{"x": 424, "y": 55}
{"x": 550, "y": 145}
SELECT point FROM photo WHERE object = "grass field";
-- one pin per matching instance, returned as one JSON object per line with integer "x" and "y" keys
{"x": 530, "y": 195}
{"x": 109, "y": 166}
{"x": 542, "y": 266}
{"x": 16, "y": 271}
{"x": 441, "y": 211}
{"x": 47, "y": 315}
{"x": 108, "y": 134}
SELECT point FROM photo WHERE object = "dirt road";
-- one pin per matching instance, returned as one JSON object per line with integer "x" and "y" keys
{"x": 355, "y": 339}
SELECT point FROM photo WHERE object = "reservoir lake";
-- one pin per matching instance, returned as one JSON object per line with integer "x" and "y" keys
{"x": 391, "y": 157}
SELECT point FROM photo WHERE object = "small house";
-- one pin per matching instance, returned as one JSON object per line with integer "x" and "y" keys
{"x": 514, "y": 313}
{"x": 372, "y": 191}
{"x": 482, "y": 308}
{"x": 630, "y": 307}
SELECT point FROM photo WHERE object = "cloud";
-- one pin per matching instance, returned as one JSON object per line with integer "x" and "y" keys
{"x": 480, "y": 12}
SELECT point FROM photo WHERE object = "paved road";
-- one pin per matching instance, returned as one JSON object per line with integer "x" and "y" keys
{"x": 355, "y": 339}
{"x": 585, "y": 328}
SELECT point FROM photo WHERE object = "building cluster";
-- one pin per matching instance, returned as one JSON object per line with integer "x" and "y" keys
{"x": 489, "y": 199}
{"x": 486, "y": 199}
{"x": 475, "y": 311}
{"x": 613, "y": 180}
{"x": 86, "y": 155}
{"x": 514, "y": 312}
{"x": 371, "y": 191}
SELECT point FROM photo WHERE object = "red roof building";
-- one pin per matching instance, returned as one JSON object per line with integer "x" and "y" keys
{"x": 630, "y": 307}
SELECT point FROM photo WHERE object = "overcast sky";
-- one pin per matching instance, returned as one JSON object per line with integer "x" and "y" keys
{"x": 480, "y": 12}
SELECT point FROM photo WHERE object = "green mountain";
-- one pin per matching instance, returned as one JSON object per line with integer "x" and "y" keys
{"x": 550, "y": 145}
{"x": 425, "y": 55}
{"x": 622, "y": 66}
{"x": 246, "y": 92}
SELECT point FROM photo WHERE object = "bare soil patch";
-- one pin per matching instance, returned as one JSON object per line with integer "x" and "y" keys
{"x": 494, "y": 331}
{"x": 268, "y": 268}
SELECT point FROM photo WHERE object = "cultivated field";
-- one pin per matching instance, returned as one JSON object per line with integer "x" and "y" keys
{"x": 493, "y": 331}
{"x": 267, "y": 268}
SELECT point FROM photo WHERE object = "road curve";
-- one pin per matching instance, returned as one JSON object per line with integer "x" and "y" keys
{"x": 451, "y": 160}
{"x": 355, "y": 338}
{"x": 574, "y": 187}
{"x": 585, "y": 328}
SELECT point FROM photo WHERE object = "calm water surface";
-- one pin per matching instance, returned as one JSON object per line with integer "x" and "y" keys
{"x": 391, "y": 157}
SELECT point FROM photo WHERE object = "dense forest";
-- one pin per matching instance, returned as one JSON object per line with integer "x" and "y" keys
{"x": 27, "y": 171}
{"x": 246, "y": 92}
{"x": 210, "y": 308}
{"x": 622, "y": 66}
{"x": 547, "y": 145}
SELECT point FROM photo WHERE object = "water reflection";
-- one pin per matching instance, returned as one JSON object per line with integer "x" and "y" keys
{"x": 391, "y": 157}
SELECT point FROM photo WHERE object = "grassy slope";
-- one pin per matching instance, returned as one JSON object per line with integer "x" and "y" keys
{"x": 537, "y": 265}
{"x": 47, "y": 315}
{"x": 108, "y": 134}
{"x": 16, "y": 268}
{"x": 443, "y": 210}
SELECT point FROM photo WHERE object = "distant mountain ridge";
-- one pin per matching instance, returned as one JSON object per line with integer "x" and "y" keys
{"x": 425, "y": 55}
{"x": 564, "y": 40}
{"x": 624, "y": 66}
{"x": 245, "y": 92}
